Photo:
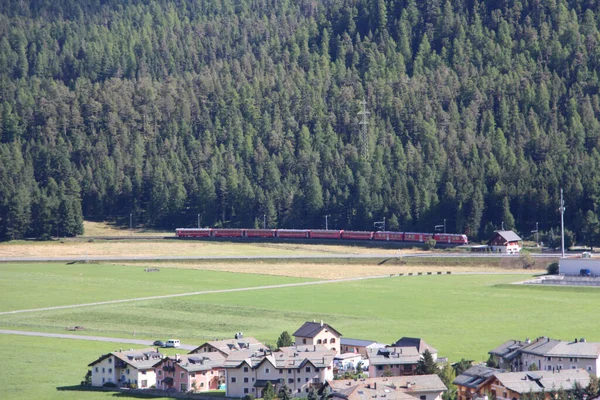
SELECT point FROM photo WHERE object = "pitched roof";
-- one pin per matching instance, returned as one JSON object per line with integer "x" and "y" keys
{"x": 358, "y": 342}
{"x": 508, "y": 350}
{"x": 197, "y": 362}
{"x": 226, "y": 346}
{"x": 393, "y": 356}
{"x": 524, "y": 382}
{"x": 392, "y": 388}
{"x": 139, "y": 359}
{"x": 287, "y": 357}
{"x": 540, "y": 346}
{"x": 475, "y": 376}
{"x": 509, "y": 236}
{"x": 575, "y": 349}
{"x": 414, "y": 342}
{"x": 312, "y": 329}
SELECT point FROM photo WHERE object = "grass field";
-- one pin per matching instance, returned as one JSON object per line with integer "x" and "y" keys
{"x": 460, "y": 315}
{"x": 26, "y": 286}
{"x": 40, "y": 367}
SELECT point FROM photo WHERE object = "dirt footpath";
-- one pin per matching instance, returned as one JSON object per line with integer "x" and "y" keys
{"x": 332, "y": 271}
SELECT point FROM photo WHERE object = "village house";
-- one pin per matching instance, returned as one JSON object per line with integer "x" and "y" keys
{"x": 505, "y": 242}
{"x": 318, "y": 333}
{"x": 191, "y": 372}
{"x": 548, "y": 354}
{"x": 419, "y": 387}
{"x": 299, "y": 367}
{"x": 513, "y": 385}
{"x": 393, "y": 361}
{"x": 226, "y": 346}
{"x": 474, "y": 382}
{"x": 359, "y": 346}
{"x": 126, "y": 368}
{"x": 418, "y": 343}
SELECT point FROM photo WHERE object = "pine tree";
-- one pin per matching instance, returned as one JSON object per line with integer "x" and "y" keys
{"x": 426, "y": 364}
{"x": 284, "y": 340}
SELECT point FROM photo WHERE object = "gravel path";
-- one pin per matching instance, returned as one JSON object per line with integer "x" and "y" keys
{"x": 92, "y": 338}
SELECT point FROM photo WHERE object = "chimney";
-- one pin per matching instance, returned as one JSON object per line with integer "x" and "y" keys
{"x": 528, "y": 341}
{"x": 374, "y": 385}
{"x": 321, "y": 322}
{"x": 177, "y": 357}
{"x": 576, "y": 340}
{"x": 582, "y": 340}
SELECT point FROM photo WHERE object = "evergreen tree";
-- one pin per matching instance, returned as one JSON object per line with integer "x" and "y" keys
{"x": 426, "y": 364}
{"x": 284, "y": 340}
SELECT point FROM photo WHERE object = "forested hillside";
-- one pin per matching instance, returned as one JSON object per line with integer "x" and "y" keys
{"x": 232, "y": 109}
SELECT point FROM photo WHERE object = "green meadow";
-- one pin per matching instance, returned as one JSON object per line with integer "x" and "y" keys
{"x": 44, "y": 368}
{"x": 460, "y": 315}
{"x": 36, "y": 285}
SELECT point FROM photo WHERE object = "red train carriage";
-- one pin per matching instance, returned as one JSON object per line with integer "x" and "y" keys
{"x": 357, "y": 235}
{"x": 325, "y": 234}
{"x": 451, "y": 238}
{"x": 389, "y": 236}
{"x": 260, "y": 233}
{"x": 228, "y": 232}
{"x": 293, "y": 233}
{"x": 417, "y": 237}
{"x": 185, "y": 232}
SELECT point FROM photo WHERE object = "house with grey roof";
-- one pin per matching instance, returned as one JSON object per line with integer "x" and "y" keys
{"x": 418, "y": 343}
{"x": 507, "y": 356}
{"x": 299, "y": 367}
{"x": 474, "y": 382}
{"x": 226, "y": 346}
{"x": 393, "y": 361}
{"x": 126, "y": 368}
{"x": 190, "y": 372}
{"x": 320, "y": 334}
{"x": 360, "y": 346}
{"x": 548, "y": 354}
{"x": 418, "y": 387}
{"x": 505, "y": 242}
{"x": 513, "y": 385}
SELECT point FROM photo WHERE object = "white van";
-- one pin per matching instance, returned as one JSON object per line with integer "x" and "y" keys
{"x": 172, "y": 343}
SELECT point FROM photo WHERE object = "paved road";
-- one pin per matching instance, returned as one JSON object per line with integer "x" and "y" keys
{"x": 286, "y": 257}
{"x": 93, "y": 338}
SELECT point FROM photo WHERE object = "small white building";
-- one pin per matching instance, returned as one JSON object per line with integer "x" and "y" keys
{"x": 579, "y": 266}
{"x": 505, "y": 242}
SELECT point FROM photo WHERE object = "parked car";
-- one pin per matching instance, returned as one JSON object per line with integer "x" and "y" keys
{"x": 159, "y": 343}
{"x": 585, "y": 272}
{"x": 172, "y": 343}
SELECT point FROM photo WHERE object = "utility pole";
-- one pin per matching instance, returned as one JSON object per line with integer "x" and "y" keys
{"x": 264, "y": 221}
{"x": 198, "y": 221}
{"x": 326, "y": 223}
{"x": 562, "y": 224}
{"x": 502, "y": 225}
{"x": 536, "y": 235}
{"x": 130, "y": 224}
{"x": 444, "y": 225}
{"x": 364, "y": 131}
{"x": 384, "y": 224}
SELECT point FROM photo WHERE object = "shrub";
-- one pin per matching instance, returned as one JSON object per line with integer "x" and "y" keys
{"x": 110, "y": 385}
{"x": 430, "y": 244}
{"x": 552, "y": 269}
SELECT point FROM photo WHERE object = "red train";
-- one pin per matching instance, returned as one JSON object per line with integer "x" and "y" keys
{"x": 415, "y": 237}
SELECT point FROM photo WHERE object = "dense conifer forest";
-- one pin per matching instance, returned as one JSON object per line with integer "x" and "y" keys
{"x": 480, "y": 111}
